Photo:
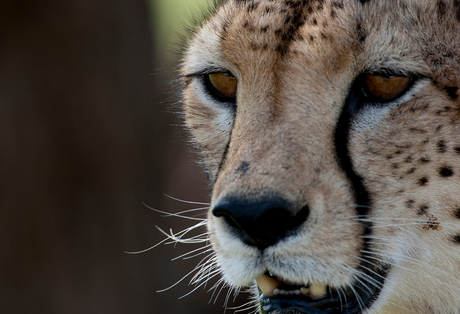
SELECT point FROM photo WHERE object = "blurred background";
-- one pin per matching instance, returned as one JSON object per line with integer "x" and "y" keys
{"x": 88, "y": 135}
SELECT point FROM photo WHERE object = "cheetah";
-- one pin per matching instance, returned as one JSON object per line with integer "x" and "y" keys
{"x": 330, "y": 133}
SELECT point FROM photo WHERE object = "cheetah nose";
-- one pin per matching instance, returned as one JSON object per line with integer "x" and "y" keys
{"x": 263, "y": 222}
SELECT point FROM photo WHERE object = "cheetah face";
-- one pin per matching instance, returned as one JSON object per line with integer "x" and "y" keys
{"x": 330, "y": 130}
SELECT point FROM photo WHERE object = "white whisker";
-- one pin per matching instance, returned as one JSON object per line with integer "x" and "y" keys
{"x": 184, "y": 201}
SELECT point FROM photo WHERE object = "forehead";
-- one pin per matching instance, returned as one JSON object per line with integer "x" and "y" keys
{"x": 378, "y": 34}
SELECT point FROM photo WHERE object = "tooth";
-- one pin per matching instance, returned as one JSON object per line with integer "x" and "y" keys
{"x": 317, "y": 290}
{"x": 276, "y": 291}
{"x": 267, "y": 284}
{"x": 304, "y": 290}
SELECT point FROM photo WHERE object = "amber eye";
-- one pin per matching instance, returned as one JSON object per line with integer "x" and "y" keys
{"x": 384, "y": 88}
{"x": 223, "y": 84}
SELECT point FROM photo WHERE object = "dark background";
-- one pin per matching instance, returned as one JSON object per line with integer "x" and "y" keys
{"x": 86, "y": 137}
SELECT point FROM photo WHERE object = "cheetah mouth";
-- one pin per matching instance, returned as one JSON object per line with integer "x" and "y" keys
{"x": 278, "y": 296}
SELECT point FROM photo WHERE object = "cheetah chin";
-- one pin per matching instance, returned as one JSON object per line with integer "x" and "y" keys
{"x": 330, "y": 132}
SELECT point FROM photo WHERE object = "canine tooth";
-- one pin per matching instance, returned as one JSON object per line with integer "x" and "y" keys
{"x": 304, "y": 290}
{"x": 276, "y": 291}
{"x": 267, "y": 284}
{"x": 317, "y": 290}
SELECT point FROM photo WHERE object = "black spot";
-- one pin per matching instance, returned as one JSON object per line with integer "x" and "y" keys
{"x": 408, "y": 159}
{"x": 314, "y": 22}
{"x": 424, "y": 160}
{"x": 395, "y": 166}
{"x": 416, "y": 130}
{"x": 442, "y": 9}
{"x": 438, "y": 128}
{"x": 264, "y": 29}
{"x": 252, "y": 6}
{"x": 422, "y": 210}
{"x": 456, "y": 239}
{"x": 457, "y": 213}
{"x": 400, "y": 191}
{"x": 423, "y": 181}
{"x": 244, "y": 167}
{"x": 337, "y": 5}
{"x": 451, "y": 91}
{"x": 319, "y": 7}
{"x": 457, "y": 149}
{"x": 442, "y": 146}
{"x": 333, "y": 14}
{"x": 359, "y": 31}
{"x": 457, "y": 7}
{"x": 295, "y": 19}
{"x": 410, "y": 203}
{"x": 411, "y": 170}
{"x": 389, "y": 156}
{"x": 446, "y": 171}
{"x": 312, "y": 39}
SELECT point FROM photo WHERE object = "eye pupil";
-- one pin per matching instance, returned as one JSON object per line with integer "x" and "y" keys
{"x": 223, "y": 83}
{"x": 385, "y": 87}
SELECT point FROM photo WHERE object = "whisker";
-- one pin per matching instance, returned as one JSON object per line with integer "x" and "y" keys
{"x": 184, "y": 256}
{"x": 184, "y": 201}
{"x": 172, "y": 214}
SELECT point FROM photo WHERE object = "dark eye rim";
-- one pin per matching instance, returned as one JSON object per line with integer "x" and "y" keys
{"x": 369, "y": 98}
{"x": 214, "y": 93}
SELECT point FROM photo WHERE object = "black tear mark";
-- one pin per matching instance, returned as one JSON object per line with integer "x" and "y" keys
{"x": 446, "y": 171}
{"x": 363, "y": 202}
{"x": 452, "y": 90}
{"x": 422, "y": 210}
{"x": 456, "y": 239}
{"x": 423, "y": 181}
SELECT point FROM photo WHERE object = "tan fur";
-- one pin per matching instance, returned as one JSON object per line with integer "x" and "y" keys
{"x": 292, "y": 84}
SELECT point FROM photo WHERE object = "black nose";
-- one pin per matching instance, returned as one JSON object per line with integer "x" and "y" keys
{"x": 261, "y": 223}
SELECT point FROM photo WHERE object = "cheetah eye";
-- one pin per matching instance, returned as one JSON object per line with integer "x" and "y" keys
{"x": 222, "y": 85}
{"x": 383, "y": 88}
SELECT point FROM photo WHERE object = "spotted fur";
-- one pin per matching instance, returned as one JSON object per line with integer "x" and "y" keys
{"x": 292, "y": 133}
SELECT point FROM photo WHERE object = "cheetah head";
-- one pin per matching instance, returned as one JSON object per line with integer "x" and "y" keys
{"x": 330, "y": 130}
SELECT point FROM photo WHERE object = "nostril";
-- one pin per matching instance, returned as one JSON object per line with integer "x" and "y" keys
{"x": 261, "y": 222}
